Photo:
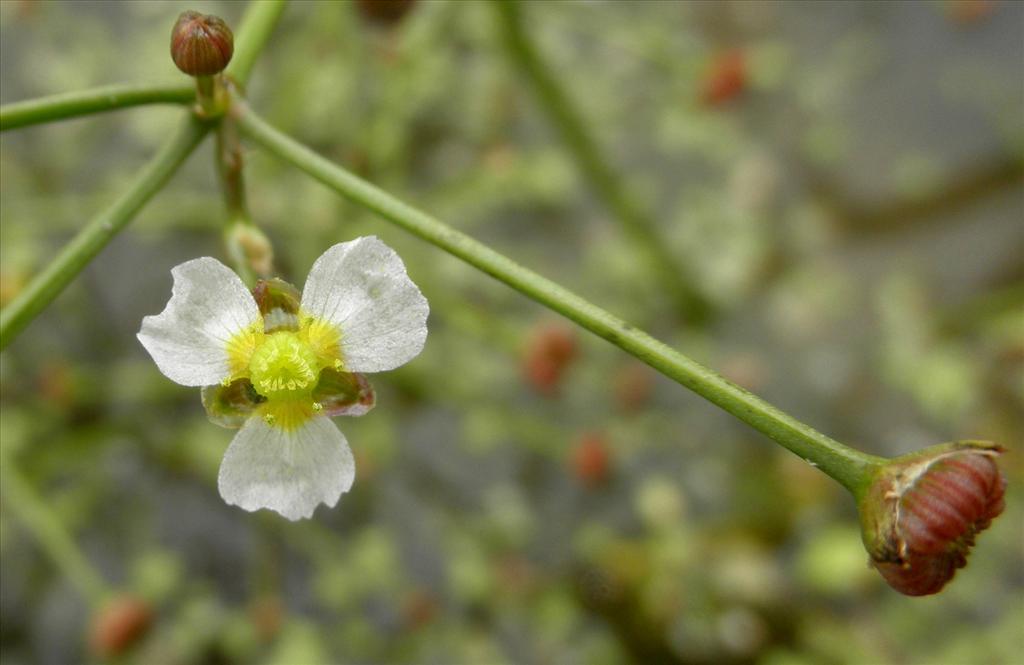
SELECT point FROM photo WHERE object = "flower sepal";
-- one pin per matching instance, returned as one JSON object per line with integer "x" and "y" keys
{"x": 229, "y": 406}
{"x": 921, "y": 512}
{"x": 344, "y": 393}
{"x": 278, "y": 302}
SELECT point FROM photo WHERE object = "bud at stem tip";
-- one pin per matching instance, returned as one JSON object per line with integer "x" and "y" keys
{"x": 201, "y": 44}
{"x": 922, "y": 512}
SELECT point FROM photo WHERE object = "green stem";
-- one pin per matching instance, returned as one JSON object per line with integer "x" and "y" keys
{"x": 48, "y": 284}
{"x": 257, "y": 23}
{"x": 248, "y": 247}
{"x": 50, "y": 534}
{"x": 638, "y": 226}
{"x": 86, "y": 102}
{"x": 229, "y": 169}
{"x": 848, "y": 466}
{"x": 208, "y": 89}
{"x": 252, "y": 35}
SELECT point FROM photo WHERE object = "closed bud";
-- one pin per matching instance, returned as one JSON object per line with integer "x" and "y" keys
{"x": 590, "y": 460}
{"x": 549, "y": 353}
{"x": 201, "y": 44}
{"x": 118, "y": 625}
{"x": 922, "y": 512}
{"x": 249, "y": 246}
{"x": 725, "y": 79}
{"x": 384, "y": 12}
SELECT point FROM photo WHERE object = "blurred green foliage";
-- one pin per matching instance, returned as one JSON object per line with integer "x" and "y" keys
{"x": 851, "y": 201}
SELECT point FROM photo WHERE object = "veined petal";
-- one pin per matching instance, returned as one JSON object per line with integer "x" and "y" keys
{"x": 361, "y": 287}
{"x": 288, "y": 470}
{"x": 209, "y": 311}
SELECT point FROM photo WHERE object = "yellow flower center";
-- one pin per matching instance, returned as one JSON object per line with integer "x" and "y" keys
{"x": 284, "y": 365}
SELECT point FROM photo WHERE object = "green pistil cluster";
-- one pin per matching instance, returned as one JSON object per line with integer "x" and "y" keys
{"x": 284, "y": 366}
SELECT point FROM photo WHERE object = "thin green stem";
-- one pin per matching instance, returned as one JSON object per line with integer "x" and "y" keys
{"x": 638, "y": 226}
{"x": 248, "y": 247}
{"x": 48, "y": 284}
{"x": 210, "y": 89}
{"x": 87, "y": 102}
{"x": 229, "y": 168}
{"x": 848, "y": 466}
{"x": 37, "y": 518}
{"x": 257, "y": 23}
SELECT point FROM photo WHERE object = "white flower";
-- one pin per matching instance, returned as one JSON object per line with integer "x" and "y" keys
{"x": 274, "y": 371}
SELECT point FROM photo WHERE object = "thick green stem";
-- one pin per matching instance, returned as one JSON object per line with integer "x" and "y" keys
{"x": 848, "y": 466}
{"x": 87, "y": 102}
{"x": 49, "y": 533}
{"x": 605, "y": 182}
{"x": 252, "y": 35}
{"x": 48, "y": 284}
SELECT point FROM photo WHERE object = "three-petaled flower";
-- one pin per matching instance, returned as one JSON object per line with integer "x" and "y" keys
{"x": 277, "y": 365}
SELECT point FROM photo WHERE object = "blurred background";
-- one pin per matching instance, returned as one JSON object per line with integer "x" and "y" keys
{"x": 840, "y": 183}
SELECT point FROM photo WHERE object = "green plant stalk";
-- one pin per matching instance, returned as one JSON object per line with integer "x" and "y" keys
{"x": 248, "y": 248}
{"x": 257, "y": 24}
{"x": 87, "y": 102}
{"x": 850, "y": 467}
{"x": 228, "y": 156}
{"x": 37, "y": 518}
{"x": 609, "y": 187}
{"x": 48, "y": 284}
{"x": 252, "y": 35}
{"x": 208, "y": 90}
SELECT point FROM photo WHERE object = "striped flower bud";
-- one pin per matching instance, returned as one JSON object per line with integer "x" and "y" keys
{"x": 922, "y": 512}
{"x": 201, "y": 44}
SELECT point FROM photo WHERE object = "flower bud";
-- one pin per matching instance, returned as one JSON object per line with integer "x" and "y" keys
{"x": 590, "y": 460}
{"x": 384, "y": 12}
{"x": 118, "y": 625}
{"x": 549, "y": 352}
{"x": 725, "y": 79}
{"x": 247, "y": 244}
{"x": 201, "y": 44}
{"x": 922, "y": 512}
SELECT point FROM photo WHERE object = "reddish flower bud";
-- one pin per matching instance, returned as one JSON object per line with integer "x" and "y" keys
{"x": 118, "y": 625}
{"x": 549, "y": 353}
{"x": 965, "y": 12}
{"x": 201, "y": 44}
{"x": 384, "y": 12}
{"x": 725, "y": 79}
{"x": 922, "y": 512}
{"x": 419, "y": 608}
{"x": 267, "y": 617}
{"x": 634, "y": 384}
{"x": 590, "y": 460}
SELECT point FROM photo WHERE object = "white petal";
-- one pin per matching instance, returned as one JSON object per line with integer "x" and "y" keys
{"x": 361, "y": 287}
{"x": 288, "y": 471}
{"x": 188, "y": 340}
